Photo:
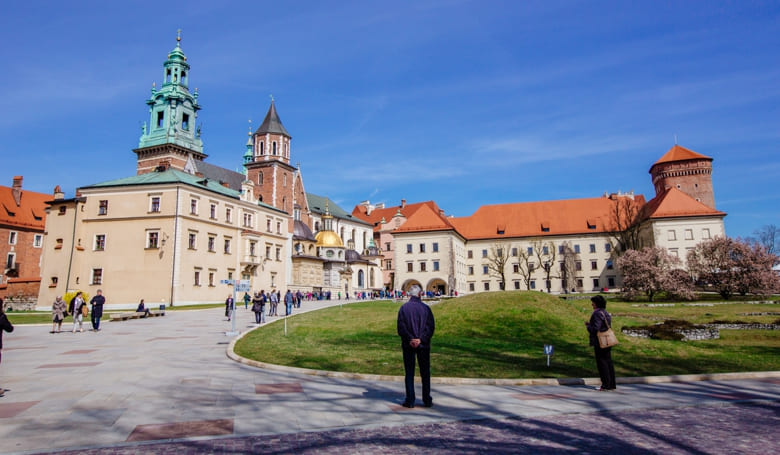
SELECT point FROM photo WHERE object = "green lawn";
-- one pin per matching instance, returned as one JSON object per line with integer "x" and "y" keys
{"x": 502, "y": 335}
{"x": 41, "y": 317}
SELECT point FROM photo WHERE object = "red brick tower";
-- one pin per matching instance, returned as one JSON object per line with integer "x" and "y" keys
{"x": 686, "y": 170}
{"x": 270, "y": 170}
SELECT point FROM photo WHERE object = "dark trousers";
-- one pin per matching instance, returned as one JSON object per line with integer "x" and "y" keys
{"x": 424, "y": 360}
{"x": 95, "y": 321}
{"x": 605, "y": 366}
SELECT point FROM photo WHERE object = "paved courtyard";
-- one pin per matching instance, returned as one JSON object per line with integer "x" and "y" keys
{"x": 166, "y": 385}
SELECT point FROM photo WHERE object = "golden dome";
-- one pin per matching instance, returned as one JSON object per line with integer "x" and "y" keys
{"x": 328, "y": 239}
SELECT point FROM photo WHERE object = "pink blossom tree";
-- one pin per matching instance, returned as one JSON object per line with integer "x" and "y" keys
{"x": 652, "y": 270}
{"x": 734, "y": 266}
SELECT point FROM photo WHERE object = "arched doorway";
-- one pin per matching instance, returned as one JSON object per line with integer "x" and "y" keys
{"x": 410, "y": 283}
{"x": 437, "y": 285}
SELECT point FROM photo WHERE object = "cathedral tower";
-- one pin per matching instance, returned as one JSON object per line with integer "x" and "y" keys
{"x": 171, "y": 138}
{"x": 686, "y": 170}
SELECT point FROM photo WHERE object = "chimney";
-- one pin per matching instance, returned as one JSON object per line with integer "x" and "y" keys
{"x": 16, "y": 190}
{"x": 403, "y": 203}
{"x": 58, "y": 193}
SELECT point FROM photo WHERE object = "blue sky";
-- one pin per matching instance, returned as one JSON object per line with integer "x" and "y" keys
{"x": 463, "y": 102}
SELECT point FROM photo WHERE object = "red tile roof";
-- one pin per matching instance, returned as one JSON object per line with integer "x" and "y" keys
{"x": 679, "y": 153}
{"x": 674, "y": 203}
{"x": 30, "y": 213}
{"x": 376, "y": 215}
{"x": 544, "y": 218}
{"x": 425, "y": 218}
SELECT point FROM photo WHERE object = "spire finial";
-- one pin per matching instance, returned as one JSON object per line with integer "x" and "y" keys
{"x": 178, "y": 36}
{"x": 272, "y": 97}
{"x": 250, "y": 128}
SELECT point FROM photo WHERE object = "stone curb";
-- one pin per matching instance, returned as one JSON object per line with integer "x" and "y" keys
{"x": 501, "y": 382}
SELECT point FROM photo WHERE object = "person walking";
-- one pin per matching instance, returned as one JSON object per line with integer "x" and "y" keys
{"x": 97, "y": 303}
{"x": 78, "y": 308}
{"x": 229, "y": 306}
{"x": 415, "y": 327}
{"x": 601, "y": 321}
{"x": 59, "y": 309}
{"x": 258, "y": 307}
{"x": 5, "y": 326}
{"x": 274, "y": 298}
{"x": 247, "y": 298}
{"x": 288, "y": 302}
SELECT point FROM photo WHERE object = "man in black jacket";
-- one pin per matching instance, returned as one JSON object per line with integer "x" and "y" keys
{"x": 97, "y": 309}
{"x": 5, "y": 326}
{"x": 415, "y": 327}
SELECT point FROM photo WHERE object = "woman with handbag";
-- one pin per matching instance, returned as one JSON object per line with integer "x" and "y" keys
{"x": 600, "y": 323}
{"x": 59, "y": 310}
{"x": 79, "y": 309}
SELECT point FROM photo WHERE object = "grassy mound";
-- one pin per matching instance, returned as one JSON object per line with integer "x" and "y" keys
{"x": 495, "y": 335}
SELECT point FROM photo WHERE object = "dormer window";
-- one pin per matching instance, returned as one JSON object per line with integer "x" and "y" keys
{"x": 545, "y": 226}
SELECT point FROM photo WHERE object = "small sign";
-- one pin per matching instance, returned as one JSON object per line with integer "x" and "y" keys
{"x": 226, "y": 281}
{"x": 242, "y": 288}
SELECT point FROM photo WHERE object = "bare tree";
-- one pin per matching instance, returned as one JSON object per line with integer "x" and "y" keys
{"x": 497, "y": 259}
{"x": 524, "y": 261}
{"x": 569, "y": 267}
{"x": 768, "y": 237}
{"x": 545, "y": 253}
{"x": 624, "y": 224}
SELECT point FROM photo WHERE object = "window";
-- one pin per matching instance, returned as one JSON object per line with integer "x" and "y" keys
{"x": 152, "y": 239}
{"x": 154, "y": 204}
{"x": 484, "y": 253}
{"x": 595, "y": 283}
{"x": 562, "y": 266}
{"x": 471, "y": 287}
{"x": 514, "y": 252}
{"x": 37, "y": 240}
{"x": 560, "y": 249}
{"x": 97, "y": 276}
{"x": 252, "y": 247}
{"x": 530, "y": 250}
{"x": 545, "y": 250}
{"x": 58, "y": 244}
{"x": 671, "y": 235}
{"x": 607, "y": 247}
{"x": 422, "y": 248}
{"x": 193, "y": 206}
{"x": 228, "y": 215}
{"x": 470, "y": 254}
{"x": 471, "y": 270}
{"x": 499, "y": 252}
{"x": 611, "y": 281}
{"x": 284, "y": 180}
{"x": 408, "y": 247}
{"x": 260, "y": 175}
{"x": 674, "y": 252}
{"x": 705, "y": 233}
{"x": 409, "y": 267}
{"x": 248, "y": 220}
{"x": 487, "y": 286}
{"x": 160, "y": 117}
{"x": 211, "y": 243}
{"x": 103, "y": 207}
{"x": 268, "y": 224}
{"x": 609, "y": 264}
{"x": 435, "y": 266}
{"x": 422, "y": 267}
{"x": 576, "y": 249}
{"x": 278, "y": 227}
{"x": 578, "y": 265}
{"x": 230, "y": 275}
{"x": 197, "y": 278}
{"x": 213, "y": 211}
{"x": 62, "y": 210}
{"x": 435, "y": 247}
{"x": 185, "y": 120}
{"x": 192, "y": 241}
{"x": 516, "y": 268}
{"x": 10, "y": 261}
{"x": 689, "y": 234}
{"x": 388, "y": 264}
{"x": 387, "y": 246}
{"x": 268, "y": 251}
{"x": 278, "y": 254}
{"x": 531, "y": 267}
{"x": 592, "y": 248}
{"x": 100, "y": 242}
{"x": 594, "y": 265}
{"x": 517, "y": 285}
{"x": 211, "y": 279}
{"x": 12, "y": 238}
{"x": 579, "y": 282}
{"x": 485, "y": 270}
{"x": 227, "y": 246}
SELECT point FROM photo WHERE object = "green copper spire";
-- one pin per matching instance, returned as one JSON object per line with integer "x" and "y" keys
{"x": 249, "y": 155}
{"x": 173, "y": 110}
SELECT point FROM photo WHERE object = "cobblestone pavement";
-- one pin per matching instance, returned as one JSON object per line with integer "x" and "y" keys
{"x": 745, "y": 428}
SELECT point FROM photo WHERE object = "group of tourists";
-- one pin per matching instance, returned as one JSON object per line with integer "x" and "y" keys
{"x": 79, "y": 309}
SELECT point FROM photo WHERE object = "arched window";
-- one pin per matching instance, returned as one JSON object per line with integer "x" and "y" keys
{"x": 184, "y": 78}
{"x": 274, "y": 149}
{"x": 260, "y": 178}
{"x": 360, "y": 279}
{"x": 371, "y": 278}
{"x": 262, "y": 148}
